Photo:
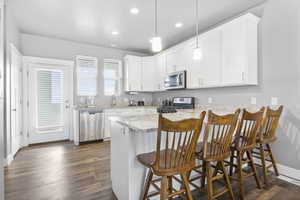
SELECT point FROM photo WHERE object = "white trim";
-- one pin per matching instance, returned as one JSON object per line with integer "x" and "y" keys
{"x": 39, "y": 60}
{"x": 8, "y": 160}
{"x": 288, "y": 174}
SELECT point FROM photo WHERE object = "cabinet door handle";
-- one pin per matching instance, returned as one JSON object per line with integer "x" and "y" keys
{"x": 243, "y": 76}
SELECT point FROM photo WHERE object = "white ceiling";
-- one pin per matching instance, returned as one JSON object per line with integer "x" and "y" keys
{"x": 92, "y": 21}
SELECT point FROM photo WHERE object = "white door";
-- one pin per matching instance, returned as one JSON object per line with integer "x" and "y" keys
{"x": 16, "y": 100}
{"x": 49, "y": 91}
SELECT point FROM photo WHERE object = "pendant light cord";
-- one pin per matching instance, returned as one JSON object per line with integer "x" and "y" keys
{"x": 155, "y": 18}
{"x": 197, "y": 25}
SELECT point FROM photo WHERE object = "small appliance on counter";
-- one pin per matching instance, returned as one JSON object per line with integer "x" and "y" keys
{"x": 141, "y": 103}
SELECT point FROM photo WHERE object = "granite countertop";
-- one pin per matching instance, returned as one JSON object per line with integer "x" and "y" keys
{"x": 149, "y": 122}
{"x": 103, "y": 107}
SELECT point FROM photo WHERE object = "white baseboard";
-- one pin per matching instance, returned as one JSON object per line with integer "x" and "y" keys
{"x": 8, "y": 160}
{"x": 288, "y": 174}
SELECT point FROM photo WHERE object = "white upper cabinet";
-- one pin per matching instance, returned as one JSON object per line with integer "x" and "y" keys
{"x": 133, "y": 73}
{"x": 148, "y": 73}
{"x": 175, "y": 59}
{"x": 239, "y": 51}
{"x": 160, "y": 72}
{"x": 207, "y": 71}
{"x": 229, "y": 58}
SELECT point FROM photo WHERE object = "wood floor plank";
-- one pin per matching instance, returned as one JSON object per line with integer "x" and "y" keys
{"x": 63, "y": 171}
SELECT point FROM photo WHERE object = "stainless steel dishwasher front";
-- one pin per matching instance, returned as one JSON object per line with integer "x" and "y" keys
{"x": 90, "y": 126}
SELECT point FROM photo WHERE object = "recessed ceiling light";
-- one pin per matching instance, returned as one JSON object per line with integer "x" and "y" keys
{"x": 134, "y": 11}
{"x": 178, "y": 25}
{"x": 115, "y": 33}
{"x": 113, "y": 45}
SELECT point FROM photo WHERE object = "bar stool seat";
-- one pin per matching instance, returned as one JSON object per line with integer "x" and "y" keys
{"x": 148, "y": 159}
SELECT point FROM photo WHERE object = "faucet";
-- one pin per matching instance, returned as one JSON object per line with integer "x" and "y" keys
{"x": 114, "y": 100}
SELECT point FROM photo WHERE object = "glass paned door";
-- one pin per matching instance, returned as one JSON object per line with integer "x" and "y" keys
{"x": 49, "y": 94}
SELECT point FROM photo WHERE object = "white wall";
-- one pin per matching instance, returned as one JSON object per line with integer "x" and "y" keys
{"x": 33, "y": 45}
{"x": 279, "y": 65}
{"x": 1, "y": 101}
{"x": 12, "y": 36}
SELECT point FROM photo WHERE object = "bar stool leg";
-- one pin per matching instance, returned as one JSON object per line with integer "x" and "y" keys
{"x": 170, "y": 189}
{"x": 164, "y": 188}
{"x": 186, "y": 186}
{"x": 203, "y": 174}
{"x": 227, "y": 180}
{"x": 209, "y": 181}
{"x": 249, "y": 155}
{"x": 231, "y": 163}
{"x": 272, "y": 159}
{"x": 263, "y": 162}
{"x": 240, "y": 174}
{"x": 147, "y": 184}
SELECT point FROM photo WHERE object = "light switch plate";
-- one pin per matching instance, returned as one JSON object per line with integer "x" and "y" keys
{"x": 210, "y": 100}
{"x": 253, "y": 100}
{"x": 274, "y": 101}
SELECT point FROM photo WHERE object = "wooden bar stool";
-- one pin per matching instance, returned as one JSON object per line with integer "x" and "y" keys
{"x": 244, "y": 143}
{"x": 175, "y": 155}
{"x": 265, "y": 140}
{"x": 215, "y": 149}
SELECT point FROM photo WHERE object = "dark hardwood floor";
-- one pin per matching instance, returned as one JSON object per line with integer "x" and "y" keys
{"x": 63, "y": 171}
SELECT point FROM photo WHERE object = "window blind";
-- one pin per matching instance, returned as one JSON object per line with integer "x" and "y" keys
{"x": 87, "y": 74}
{"x": 50, "y": 99}
{"x": 112, "y": 78}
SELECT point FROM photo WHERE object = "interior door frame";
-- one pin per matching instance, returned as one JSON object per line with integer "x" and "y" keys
{"x": 14, "y": 49}
{"x": 27, "y": 61}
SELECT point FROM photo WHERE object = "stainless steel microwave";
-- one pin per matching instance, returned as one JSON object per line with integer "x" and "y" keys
{"x": 176, "y": 80}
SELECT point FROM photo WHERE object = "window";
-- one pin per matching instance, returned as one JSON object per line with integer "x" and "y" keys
{"x": 112, "y": 77}
{"x": 50, "y": 99}
{"x": 87, "y": 73}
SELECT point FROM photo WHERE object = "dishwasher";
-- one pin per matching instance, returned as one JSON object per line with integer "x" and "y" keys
{"x": 90, "y": 126}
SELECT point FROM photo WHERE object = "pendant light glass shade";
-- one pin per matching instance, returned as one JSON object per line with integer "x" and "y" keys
{"x": 197, "y": 54}
{"x": 156, "y": 44}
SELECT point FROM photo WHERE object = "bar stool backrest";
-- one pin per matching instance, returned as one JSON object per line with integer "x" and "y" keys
{"x": 218, "y": 135}
{"x": 248, "y": 129}
{"x": 270, "y": 123}
{"x": 176, "y": 145}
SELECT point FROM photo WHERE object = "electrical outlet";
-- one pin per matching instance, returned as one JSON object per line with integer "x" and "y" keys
{"x": 274, "y": 101}
{"x": 253, "y": 100}
{"x": 210, "y": 100}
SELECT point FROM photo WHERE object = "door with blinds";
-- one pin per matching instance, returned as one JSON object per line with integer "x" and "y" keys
{"x": 49, "y": 97}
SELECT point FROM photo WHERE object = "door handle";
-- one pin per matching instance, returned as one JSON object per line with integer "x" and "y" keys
{"x": 14, "y": 110}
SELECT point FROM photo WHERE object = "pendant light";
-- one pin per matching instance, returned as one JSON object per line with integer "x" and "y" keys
{"x": 197, "y": 54}
{"x": 156, "y": 40}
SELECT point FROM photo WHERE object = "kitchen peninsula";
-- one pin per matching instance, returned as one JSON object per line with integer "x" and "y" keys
{"x": 132, "y": 135}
